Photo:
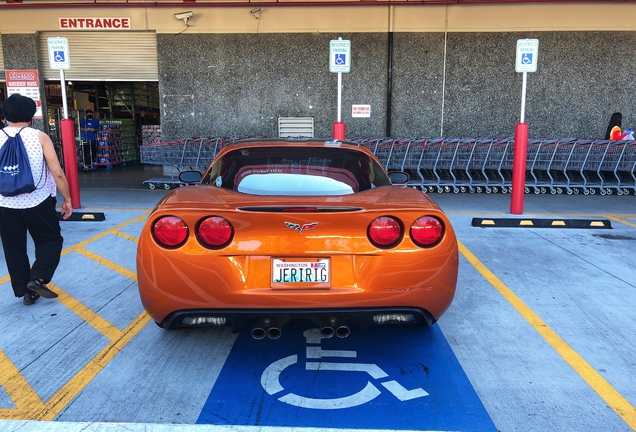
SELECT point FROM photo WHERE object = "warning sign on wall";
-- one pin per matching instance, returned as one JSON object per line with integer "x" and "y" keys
{"x": 360, "y": 110}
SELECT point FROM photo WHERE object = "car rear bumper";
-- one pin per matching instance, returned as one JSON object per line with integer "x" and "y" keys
{"x": 237, "y": 319}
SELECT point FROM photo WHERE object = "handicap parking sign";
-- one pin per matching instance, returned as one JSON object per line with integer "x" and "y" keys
{"x": 384, "y": 378}
{"x": 527, "y": 55}
{"x": 59, "y": 56}
{"x": 58, "y": 53}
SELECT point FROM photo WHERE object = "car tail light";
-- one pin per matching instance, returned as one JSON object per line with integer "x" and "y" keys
{"x": 170, "y": 231}
{"x": 215, "y": 232}
{"x": 385, "y": 232}
{"x": 427, "y": 231}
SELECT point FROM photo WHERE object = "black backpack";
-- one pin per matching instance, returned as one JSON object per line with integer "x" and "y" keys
{"x": 15, "y": 169}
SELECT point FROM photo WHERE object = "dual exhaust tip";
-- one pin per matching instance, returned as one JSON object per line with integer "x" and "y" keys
{"x": 270, "y": 327}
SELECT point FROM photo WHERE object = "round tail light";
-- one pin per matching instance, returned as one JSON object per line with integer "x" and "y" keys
{"x": 170, "y": 231}
{"x": 385, "y": 232}
{"x": 215, "y": 232}
{"x": 427, "y": 231}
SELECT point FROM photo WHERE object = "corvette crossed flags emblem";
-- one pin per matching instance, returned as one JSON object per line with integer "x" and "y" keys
{"x": 302, "y": 228}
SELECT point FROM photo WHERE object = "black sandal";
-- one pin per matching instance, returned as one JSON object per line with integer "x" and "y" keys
{"x": 30, "y": 297}
{"x": 40, "y": 288}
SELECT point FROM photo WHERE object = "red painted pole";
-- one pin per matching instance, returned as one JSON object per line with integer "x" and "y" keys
{"x": 339, "y": 131}
{"x": 519, "y": 168}
{"x": 70, "y": 160}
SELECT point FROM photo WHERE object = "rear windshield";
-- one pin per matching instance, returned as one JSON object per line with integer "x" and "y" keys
{"x": 299, "y": 171}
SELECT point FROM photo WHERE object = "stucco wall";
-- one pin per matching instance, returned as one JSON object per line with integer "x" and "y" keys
{"x": 236, "y": 84}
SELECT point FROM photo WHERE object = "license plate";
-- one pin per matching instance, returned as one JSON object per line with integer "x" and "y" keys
{"x": 303, "y": 273}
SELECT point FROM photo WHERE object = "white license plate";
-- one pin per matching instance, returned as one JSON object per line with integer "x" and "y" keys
{"x": 297, "y": 272}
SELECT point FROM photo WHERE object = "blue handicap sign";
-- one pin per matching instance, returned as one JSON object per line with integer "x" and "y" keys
{"x": 340, "y": 59}
{"x": 58, "y": 56}
{"x": 526, "y": 58}
{"x": 384, "y": 378}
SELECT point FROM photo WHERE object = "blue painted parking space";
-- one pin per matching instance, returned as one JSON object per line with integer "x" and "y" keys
{"x": 384, "y": 378}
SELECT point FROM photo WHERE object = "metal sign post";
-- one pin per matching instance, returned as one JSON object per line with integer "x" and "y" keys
{"x": 527, "y": 57}
{"x": 59, "y": 59}
{"x": 339, "y": 62}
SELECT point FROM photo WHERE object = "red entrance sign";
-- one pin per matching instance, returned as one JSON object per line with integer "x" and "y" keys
{"x": 95, "y": 23}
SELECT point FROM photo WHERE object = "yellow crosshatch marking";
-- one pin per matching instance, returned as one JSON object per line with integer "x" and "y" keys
{"x": 28, "y": 404}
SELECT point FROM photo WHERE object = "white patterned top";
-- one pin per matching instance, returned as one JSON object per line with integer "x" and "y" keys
{"x": 42, "y": 177}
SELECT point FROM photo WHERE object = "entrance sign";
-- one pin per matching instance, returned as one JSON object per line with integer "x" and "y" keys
{"x": 527, "y": 55}
{"x": 26, "y": 83}
{"x": 340, "y": 56}
{"x": 58, "y": 53}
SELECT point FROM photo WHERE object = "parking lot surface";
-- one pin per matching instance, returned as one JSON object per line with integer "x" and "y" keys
{"x": 540, "y": 337}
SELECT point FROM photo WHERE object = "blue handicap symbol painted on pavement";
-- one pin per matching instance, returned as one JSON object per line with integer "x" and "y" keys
{"x": 341, "y": 59}
{"x": 384, "y": 378}
{"x": 58, "y": 56}
{"x": 526, "y": 58}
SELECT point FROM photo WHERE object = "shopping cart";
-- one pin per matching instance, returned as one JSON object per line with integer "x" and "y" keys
{"x": 556, "y": 171}
{"x": 610, "y": 181}
{"x": 188, "y": 154}
{"x": 475, "y": 167}
{"x": 541, "y": 166}
{"x": 626, "y": 169}
{"x": 592, "y": 166}
{"x": 573, "y": 171}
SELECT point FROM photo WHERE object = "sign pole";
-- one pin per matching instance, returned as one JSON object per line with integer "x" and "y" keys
{"x": 339, "y": 61}
{"x": 339, "y": 128}
{"x": 527, "y": 55}
{"x": 59, "y": 59}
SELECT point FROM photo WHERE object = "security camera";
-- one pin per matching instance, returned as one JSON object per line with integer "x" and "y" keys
{"x": 255, "y": 10}
{"x": 185, "y": 16}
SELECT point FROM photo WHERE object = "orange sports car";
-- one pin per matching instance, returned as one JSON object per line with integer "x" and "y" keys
{"x": 276, "y": 230}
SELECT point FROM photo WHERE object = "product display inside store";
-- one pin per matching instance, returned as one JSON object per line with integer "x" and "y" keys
{"x": 124, "y": 112}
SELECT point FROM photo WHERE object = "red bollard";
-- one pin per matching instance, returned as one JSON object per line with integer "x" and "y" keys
{"x": 519, "y": 169}
{"x": 339, "y": 131}
{"x": 70, "y": 160}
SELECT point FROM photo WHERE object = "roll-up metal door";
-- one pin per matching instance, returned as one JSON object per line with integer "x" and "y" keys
{"x": 105, "y": 56}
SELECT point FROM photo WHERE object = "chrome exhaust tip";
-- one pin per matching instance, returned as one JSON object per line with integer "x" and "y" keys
{"x": 266, "y": 327}
{"x": 342, "y": 331}
{"x": 274, "y": 332}
{"x": 258, "y": 333}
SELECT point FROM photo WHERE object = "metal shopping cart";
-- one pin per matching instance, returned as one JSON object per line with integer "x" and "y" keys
{"x": 190, "y": 153}
{"x": 573, "y": 171}
{"x": 626, "y": 169}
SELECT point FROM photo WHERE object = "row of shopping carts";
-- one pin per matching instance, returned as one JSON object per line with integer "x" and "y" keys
{"x": 194, "y": 153}
{"x": 472, "y": 165}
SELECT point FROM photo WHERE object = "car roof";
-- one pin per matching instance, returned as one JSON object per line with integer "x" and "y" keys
{"x": 289, "y": 141}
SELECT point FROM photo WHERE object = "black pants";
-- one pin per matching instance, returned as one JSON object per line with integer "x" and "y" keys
{"x": 44, "y": 227}
{"x": 89, "y": 149}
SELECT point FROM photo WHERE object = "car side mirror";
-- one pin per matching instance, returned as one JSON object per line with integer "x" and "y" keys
{"x": 399, "y": 177}
{"x": 190, "y": 176}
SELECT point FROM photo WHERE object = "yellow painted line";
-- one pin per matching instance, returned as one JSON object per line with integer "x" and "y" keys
{"x": 17, "y": 387}
{"x": 526, "y": 223}
{"x": 604, "y": 389}
{"x": 614, "y": 218}
{"x": 71, "y": 389}
{"x": 107, "y": 263}
{"x": 127, "y": 236}
{"x": 558, "y": 223}
{"x": 88, "y": 315}
{"x": 113, "y": 230}
{"x": 488, "y": 222}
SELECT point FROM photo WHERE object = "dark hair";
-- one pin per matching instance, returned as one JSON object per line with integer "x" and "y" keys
{"x": 616, "y": 120}
{"x": 18, "y": 108}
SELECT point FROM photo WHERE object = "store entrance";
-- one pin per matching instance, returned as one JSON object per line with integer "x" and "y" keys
{"x": 127, "y": 112}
